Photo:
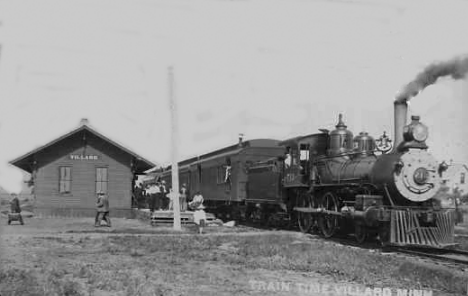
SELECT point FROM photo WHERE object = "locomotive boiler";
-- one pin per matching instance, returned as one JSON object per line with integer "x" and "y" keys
{"x": 336, "y": 182}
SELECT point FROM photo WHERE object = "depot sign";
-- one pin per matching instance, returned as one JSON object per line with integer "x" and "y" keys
{"x": 83, "y": 157}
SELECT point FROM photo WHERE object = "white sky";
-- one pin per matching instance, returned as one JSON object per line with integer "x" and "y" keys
{"x": 266, "y": 68}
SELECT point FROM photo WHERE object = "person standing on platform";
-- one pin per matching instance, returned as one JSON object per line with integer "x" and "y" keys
{"x": 170, "y": 198}
{"x": 163, "y": 199}
{"x": 147, "y": 196}
{"x": 199, "y": 215}
{"x": 183, "y": 198}
{"x": 153, "y": 197}
{"x": 140, "y": 195}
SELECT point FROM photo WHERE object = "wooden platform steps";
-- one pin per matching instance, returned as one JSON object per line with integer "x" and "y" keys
{"x": 168, "y": 217}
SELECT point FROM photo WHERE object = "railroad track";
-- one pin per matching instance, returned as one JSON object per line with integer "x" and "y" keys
{"x": 450, "y": 256}
{"x": 445, "y": 255}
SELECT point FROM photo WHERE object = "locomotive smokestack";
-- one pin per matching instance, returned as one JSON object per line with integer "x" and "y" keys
{"x": 401, "y": 113}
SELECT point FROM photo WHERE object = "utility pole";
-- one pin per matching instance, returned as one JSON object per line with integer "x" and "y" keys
{"x": 174, "y": 138}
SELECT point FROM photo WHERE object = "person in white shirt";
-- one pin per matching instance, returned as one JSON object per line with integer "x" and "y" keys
{"x": 183, "y": 197}
{"x": 152, "y": 192}
{"x": 164, "y": 200}
{"x": 199, "y": 215}
{"x": 170, "y": 196}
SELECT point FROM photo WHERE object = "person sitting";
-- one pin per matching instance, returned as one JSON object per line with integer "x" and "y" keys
{"x": 199, "y": 215}
{"x": 15, "y": 210}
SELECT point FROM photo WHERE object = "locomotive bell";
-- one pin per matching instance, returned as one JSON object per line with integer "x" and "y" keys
{"x": 341, "y": 139}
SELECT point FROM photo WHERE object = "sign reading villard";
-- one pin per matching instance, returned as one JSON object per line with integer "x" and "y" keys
{"x": 83, "y": 157}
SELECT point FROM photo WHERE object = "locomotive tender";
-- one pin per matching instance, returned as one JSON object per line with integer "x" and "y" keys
{"x": 331, "y": 181}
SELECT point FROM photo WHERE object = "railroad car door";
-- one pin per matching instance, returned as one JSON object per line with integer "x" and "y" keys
{"x": 195, "y": 178}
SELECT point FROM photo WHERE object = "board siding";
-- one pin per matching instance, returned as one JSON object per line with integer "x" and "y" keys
{"x": 83, "y": 174}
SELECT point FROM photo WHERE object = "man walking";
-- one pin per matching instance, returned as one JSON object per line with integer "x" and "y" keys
{"x": 102, "y": 206}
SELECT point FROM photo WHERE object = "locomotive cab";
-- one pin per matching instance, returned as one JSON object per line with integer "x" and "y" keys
{"x": 295, "y": 164}
{"x": 299, "y": 154}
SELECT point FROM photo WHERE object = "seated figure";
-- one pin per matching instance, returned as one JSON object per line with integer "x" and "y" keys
{"x": 15, "y": 210}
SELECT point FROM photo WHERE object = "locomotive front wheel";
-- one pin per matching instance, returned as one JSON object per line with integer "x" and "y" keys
{"x": 305, "y": 220}
{"x": 360, "y": 233}
{"x": 328, "y": 223}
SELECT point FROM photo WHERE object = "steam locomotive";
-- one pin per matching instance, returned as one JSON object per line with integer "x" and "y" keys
{"x": 332, "y": 182}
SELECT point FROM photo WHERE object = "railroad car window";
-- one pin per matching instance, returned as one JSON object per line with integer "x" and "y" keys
{"x": 223, "y": 174}
{"x": 65, "y": 179}
{"x": 101, "y": 180}
{"x": 304, "y": 152}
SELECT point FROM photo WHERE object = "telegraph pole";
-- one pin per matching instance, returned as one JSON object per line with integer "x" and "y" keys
{"x": 174, "y": 138}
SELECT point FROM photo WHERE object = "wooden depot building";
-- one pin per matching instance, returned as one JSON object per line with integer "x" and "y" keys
{"x": 68, "y": 172}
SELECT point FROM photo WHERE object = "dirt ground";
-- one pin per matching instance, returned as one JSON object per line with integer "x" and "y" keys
{"x": 72, "y": 257}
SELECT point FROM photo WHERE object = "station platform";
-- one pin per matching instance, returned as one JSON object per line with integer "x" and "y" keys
{"x": 168, "y": 216}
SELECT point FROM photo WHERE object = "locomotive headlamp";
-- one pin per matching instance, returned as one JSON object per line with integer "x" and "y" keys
{"x": 415, "y": 131}
{"x": 420, "y": 132}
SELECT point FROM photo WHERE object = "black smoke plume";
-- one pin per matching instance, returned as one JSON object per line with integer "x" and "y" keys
{"x": 457, "y": 68}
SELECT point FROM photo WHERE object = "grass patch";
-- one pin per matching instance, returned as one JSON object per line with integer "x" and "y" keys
{"x": 276, "y": 252}
{"x": 20, "y": 282}
{"x": 171, "y": 264}
{"x": 462, "y": 242}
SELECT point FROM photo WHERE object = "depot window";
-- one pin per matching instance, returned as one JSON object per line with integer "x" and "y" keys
{"x": 65, "y": 179}
{"x": 101, "y": 180}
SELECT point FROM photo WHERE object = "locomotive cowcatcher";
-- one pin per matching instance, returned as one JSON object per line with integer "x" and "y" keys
{"x": 336, "y": 183}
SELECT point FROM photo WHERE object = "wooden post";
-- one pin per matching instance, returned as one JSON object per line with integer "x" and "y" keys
{"x": 175, "y": 166}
